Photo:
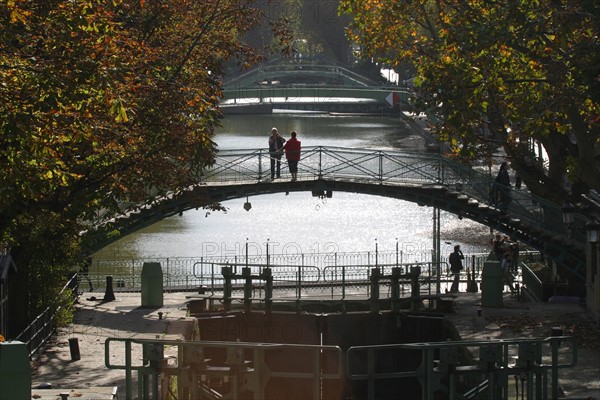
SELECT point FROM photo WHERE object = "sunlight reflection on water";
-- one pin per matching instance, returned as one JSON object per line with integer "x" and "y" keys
{"x": 347, "y": 222}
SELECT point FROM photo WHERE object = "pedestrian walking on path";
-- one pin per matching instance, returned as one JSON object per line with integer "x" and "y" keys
{"x": 501, "y": 193}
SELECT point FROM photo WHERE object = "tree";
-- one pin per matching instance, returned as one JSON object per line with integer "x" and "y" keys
{"x": 101, "y": 103}
{"x": 509, "y": 74}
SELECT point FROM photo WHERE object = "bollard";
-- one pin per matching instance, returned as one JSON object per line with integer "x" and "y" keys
{"x": 15, "y": 372}
{"x": 74, "y": 349}
{"x": 152, "y": 285}
{"x": 492, "y": 284}
{"x": 109, "y": 294}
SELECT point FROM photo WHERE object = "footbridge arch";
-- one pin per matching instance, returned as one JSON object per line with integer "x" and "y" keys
{"x": 423, "y": 178}
{"x": 309, "y": 87}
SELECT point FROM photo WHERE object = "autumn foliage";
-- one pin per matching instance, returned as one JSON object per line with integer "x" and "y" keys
{"x": 504, "y": 74}
{"x": 104, "y": 103}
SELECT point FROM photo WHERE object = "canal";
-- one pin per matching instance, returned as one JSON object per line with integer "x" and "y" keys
{"x": 299, "y": 223}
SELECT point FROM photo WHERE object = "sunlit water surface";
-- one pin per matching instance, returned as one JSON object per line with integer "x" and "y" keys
{"x": 298, "y": 222}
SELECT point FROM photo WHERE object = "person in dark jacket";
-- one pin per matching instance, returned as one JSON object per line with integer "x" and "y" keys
{"x": 502, "y": 196}
{"x": 456, "y": 266}
{"x": 292, "y": 154}
{"x": 275, "y": 152}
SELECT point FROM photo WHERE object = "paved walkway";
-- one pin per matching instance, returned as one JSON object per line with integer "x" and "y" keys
{"x": 524, "y": 319}
{"x": 124, "y": 318}
{"x": 94, "y": 323}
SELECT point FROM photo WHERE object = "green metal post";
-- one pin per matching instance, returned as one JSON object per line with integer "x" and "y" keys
{"x": 246, "y": 273}
{"x": 128, "y": 377}
{"x": 415, "y": 290}
{"x": 227, "y": 287}
{"x": 492, "y": 284}
{"x": 152, "y": 285}
{"x": 267, "y": 275}
{"x": 395, "y": 290}
{"x": 374, "y": 283}
{"x": 15, "y": 372}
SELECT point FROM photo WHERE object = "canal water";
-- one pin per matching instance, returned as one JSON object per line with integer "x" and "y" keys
{"x": 299, "y": 223}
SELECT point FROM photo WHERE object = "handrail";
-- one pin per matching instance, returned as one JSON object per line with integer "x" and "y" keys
{"x": 247, "y": 77}
{"x": 308, "y": 270}
{"x": 532, "y": 358}
{"x": 37, "y": 333}
{"x": 246, "y": 365}
{"x": 532, "y": 282}
{"x": 391, "y": 168}
{"x": 404, "y": 171}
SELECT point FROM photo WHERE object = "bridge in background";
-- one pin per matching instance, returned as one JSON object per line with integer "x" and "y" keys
{"x": 310, "y": 87}
{"x": 423, "y": 178}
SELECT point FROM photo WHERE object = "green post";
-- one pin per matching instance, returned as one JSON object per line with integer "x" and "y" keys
{"x": 15, "y": 373}
{"x": 492, "y": 284}
{"x": 395, "y": 290}
{"x": 227, "y": 273}
{"x": 152, "y": 285}
{"x": 374, "y": 299}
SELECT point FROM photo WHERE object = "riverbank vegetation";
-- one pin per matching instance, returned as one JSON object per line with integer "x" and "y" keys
{"x": 104, "y": 102}
{"x": 520, "y": 76}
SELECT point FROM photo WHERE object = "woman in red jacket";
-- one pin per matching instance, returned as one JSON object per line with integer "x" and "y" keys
{"x": 292, "y": 154}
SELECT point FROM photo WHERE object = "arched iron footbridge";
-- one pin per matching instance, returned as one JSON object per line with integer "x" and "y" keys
{"x": 309, "y": 87}
{"x": 423, "y": 178}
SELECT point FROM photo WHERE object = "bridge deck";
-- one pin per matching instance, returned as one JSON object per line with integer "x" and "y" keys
{"x": 424, "y": 178}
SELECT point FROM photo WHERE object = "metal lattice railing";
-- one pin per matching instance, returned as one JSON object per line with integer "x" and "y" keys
{"x": 37, "y": 333}
{"x": 375, "y": 167}
{"x": 459, "y": 182}
{"x": 297, "y": 274}
{"x": 378, "y": 167}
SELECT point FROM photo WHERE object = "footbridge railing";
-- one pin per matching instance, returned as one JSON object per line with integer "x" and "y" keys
{"x": 378, "y": 167}
{"x": 254, "y": 77}
{"x": 366, "y": 168}
{"x": 425, "y": 178}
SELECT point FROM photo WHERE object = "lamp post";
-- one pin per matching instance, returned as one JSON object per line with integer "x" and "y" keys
{"x": 568, "y": 214}
{"x": 593, "y": 231}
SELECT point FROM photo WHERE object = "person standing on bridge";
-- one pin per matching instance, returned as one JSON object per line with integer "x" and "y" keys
{"x": 275, "y": 152}
{"x": 292, "y": 154}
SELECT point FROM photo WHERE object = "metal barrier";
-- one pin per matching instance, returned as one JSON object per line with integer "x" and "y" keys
{"x": 215, "y": 370}
{"x": 532, "y": 282}
{"x": 468, "y": 369}
{"x": 43, "y": 326}
{"x": 455, "y": 370}
{"x": 312, "y": 270}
